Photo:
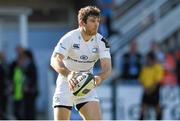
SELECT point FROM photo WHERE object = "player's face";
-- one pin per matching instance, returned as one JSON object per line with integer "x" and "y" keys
{"x": 92, "y": 24}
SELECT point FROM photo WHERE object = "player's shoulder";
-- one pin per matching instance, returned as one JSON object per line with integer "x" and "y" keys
{"x": 70, "y": 34}
{"x": 73, "y": 32}
{"x": 99, "y": 36}
{"x": 102, "y": 39}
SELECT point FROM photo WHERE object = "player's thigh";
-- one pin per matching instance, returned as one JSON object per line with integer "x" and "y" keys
{"x": 62, "y": 113}
{"x": 91, "y": 111}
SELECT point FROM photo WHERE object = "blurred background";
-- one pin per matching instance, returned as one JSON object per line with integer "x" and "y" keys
{"x": 29, "y": 30}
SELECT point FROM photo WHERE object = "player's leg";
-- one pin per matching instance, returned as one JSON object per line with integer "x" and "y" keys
{"x": 62, "y": 107}
{"x": 62, "y": 104}
{"x": 62, "y": 101}
{"x": 90, "y": 110}
{"x": 62, "y": 112}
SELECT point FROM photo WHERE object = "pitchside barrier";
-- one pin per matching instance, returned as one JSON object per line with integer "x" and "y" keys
{"x": 128, "y": 101}
{"x": 125, "y": 102}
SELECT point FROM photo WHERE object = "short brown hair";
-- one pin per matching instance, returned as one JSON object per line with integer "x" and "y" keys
{"x": 87, "y": 11}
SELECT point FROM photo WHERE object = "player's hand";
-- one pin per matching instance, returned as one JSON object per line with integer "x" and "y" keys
{"x": 98, "y": 80}
{"x": 71, "y": 80}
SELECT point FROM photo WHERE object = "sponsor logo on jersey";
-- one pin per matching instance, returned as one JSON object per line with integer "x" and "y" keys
{"x": 79, "y": 61}
{"x": 76, "y": 46}
{"x": 83, "y": 57}
{"x": 95, "y": 50}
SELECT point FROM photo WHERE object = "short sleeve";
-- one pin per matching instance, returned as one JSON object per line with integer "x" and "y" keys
{"x": 63, "y": 46}
{"x": 104, "y": 49}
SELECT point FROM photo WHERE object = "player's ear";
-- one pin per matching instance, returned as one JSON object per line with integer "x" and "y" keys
{"x": 81, "y": 23}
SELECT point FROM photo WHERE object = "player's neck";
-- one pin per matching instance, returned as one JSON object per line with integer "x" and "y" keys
{"x": 84, "y": 35}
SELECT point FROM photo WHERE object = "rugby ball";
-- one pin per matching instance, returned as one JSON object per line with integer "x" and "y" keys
{"x": 85, "y": 84}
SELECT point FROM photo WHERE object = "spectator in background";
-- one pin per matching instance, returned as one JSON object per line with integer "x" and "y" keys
{"x": 30, "y": 86}
{"x": 169, "y": 69}
{"x": 19, "y": 54}
{"x": 150, "y": 77}
{"x": 3, "y": 87}
{"x": 131, "y": 63}
{"x": 106, "y": 7}
{"x": 178, "y": 67}
{"x": 17, "y": 79}
{"x": 18, "y": 96}
{"x": 160, "y": 56}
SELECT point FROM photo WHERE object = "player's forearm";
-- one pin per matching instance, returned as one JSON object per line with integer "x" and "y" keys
{"x": 105, "y": 73}
{"x": 106, "y": 69}
{"x": 63, "y": 71}
{"x": 60, "y": 68}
